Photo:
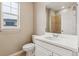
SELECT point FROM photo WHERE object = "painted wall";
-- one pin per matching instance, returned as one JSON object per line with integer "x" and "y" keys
{"x": 51, "y": 14}
{"x": 78, "y": 18}
{"x": 68, "y": 21}
{"x": 78, "y": 22}
{"x": 40, "y": 18}
{"x": 12, "y": 41}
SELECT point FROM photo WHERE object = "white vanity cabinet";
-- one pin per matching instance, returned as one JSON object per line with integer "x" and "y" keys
{"x": 43, "y": 48}
{"x": 54, "y": 54}
{"x": 40, "y": 51}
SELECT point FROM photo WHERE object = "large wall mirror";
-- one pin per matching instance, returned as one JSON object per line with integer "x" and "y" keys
{"x": 61, "y": 17}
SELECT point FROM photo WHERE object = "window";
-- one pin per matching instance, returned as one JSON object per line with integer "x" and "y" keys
{"x": 10, "y": 15}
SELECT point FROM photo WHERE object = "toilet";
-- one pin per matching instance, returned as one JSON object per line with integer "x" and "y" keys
{"x": 29, "y": 49}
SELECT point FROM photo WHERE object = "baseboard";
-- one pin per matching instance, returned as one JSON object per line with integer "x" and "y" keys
{"x": 18, "y": 53}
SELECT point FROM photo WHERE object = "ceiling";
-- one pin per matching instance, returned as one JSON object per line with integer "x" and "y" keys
{"x": 58, "y": 5}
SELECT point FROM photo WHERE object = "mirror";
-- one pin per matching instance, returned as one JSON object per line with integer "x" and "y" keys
{"x": 61, "y": 17}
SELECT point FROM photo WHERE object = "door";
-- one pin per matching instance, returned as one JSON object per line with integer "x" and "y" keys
{"x": 56, "y": 24}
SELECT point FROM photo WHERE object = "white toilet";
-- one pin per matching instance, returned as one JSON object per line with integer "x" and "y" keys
{"x": 29, "y": 48}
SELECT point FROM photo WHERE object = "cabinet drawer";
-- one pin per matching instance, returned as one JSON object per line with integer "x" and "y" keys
{"x": 39, "y": 51}
{"x": 53, "y": 48}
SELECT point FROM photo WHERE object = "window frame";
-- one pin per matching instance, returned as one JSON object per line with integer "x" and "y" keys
{"x": 10, "y": 27}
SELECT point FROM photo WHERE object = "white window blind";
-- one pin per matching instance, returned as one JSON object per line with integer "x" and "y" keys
{"x": 10, "y": 14}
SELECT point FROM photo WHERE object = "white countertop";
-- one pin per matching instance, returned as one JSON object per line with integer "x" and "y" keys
{"x": 70, "y": 42}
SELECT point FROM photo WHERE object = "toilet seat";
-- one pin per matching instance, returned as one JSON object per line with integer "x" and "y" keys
{"x": 28, "y": 47}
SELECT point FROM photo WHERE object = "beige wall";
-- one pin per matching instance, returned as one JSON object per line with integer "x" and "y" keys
{"x": 11, "y": 41}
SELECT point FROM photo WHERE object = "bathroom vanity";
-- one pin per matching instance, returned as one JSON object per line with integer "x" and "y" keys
{"x": 55, "y": 45}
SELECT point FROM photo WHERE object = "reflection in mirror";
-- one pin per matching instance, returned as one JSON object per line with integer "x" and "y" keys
{"x": 61, "y": 17}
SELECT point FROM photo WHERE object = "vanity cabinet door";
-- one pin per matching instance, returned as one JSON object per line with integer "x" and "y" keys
{"x": 40, "y": 51}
